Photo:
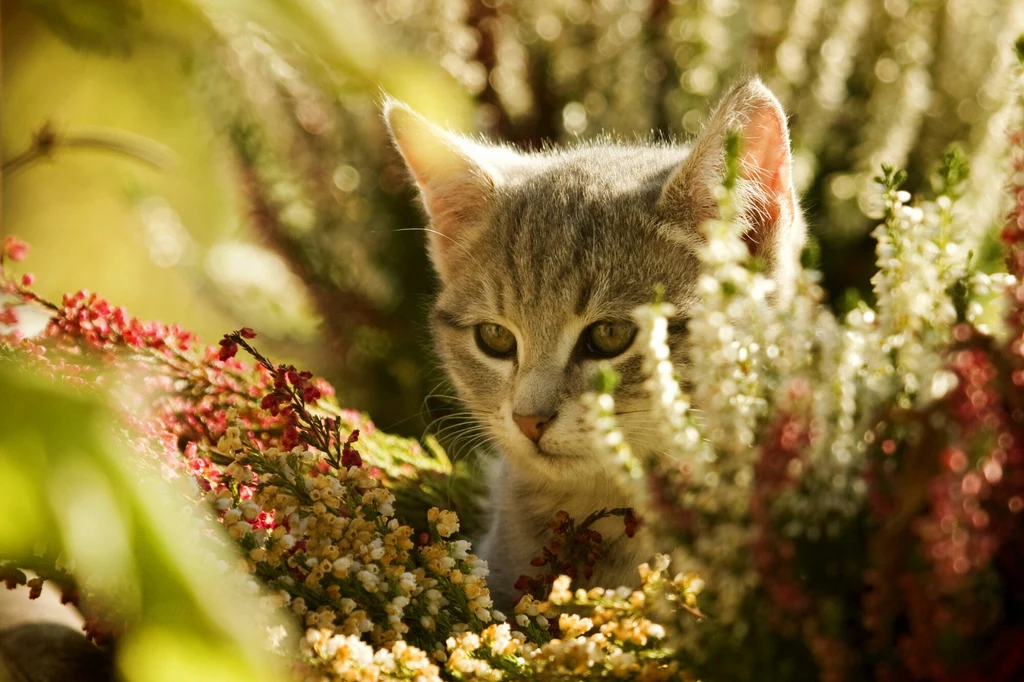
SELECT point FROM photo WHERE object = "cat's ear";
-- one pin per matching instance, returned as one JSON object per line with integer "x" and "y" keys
{"x": 456, "y": 177}
{"x": 766, "y": 174}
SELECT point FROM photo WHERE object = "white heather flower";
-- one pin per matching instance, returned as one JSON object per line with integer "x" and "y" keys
{"x": 250, "y": 510}
{"x": 560, "y": 593}
{"x": 368, "y": 580}
{"x": 340, "y": 567}
{"x": 460, "y": 549}
{"x": 407, "y": 581}
{"x": 238, "y": 530}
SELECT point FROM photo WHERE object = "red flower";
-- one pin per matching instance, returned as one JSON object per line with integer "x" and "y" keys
{"x": 247, "y": 333}
{"x": 524, "y": 584}
{"x": 15, "y": 249}
{"x": 228, "y": 348}
{"x": 632, "y": 522}
{"x": 350, "y": 457}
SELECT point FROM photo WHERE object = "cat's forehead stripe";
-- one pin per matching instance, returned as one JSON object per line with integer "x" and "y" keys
{"x": 583, "y": 296}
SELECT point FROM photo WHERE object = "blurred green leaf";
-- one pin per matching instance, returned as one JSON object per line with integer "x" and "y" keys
{"x": 352, "y": 48}
{"x": 137, "y": 541}
{"x": 105, "y": 26}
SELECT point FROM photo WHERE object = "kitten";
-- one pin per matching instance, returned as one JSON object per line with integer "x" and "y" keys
{"x": 542, "y": 259}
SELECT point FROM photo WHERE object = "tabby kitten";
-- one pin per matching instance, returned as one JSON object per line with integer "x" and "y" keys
{"x": 542, "y": 259}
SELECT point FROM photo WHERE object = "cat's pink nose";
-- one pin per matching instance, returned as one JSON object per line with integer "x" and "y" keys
{"x": 532, "y": 425}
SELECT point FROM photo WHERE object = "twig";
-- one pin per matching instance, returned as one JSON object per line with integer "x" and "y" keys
{"x": 46, "y": 141}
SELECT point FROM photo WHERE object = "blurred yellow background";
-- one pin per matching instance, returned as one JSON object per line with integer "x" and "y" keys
{"x": 85, "y": 210}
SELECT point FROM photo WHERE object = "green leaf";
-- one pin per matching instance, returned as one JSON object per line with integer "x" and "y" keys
{"x": 606, "y": 380}
{"x": 139, "y": 543}
{"x": 950, "y": 178}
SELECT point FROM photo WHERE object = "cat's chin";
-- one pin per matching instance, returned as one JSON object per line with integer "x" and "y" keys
{"x": 548, "y": 455}
{"x": 554, "y": 456}
{"x": 555, "y": 466}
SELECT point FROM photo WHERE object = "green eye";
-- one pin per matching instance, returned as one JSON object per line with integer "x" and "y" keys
{"x": 608, "y": 339}
{"x": 495, "y": 340}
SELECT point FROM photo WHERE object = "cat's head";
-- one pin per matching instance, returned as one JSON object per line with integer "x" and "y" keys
{"x": 543, "y": 257}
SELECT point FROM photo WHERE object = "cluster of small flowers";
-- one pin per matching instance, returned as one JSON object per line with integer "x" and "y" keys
{"x": 616, "y": 638}
{"x": 349, "y": 659}
{"x": 731, "y": 332}
{"x": 609, "y": 442}
{"x": 960, "y": 549}
{"x": 907, "y": 417}
{"x": 922, "y": 252}
{"x": 84, "y": 332}
{"x": 324, "y": 534}
{"x": 669, "y": 407}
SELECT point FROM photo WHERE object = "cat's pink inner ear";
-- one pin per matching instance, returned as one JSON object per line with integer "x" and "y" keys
{"x": 454, "y": 187}
{"x": 767, "y": 164}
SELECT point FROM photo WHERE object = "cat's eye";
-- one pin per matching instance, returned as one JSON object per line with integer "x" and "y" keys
{"x": 608, "y": 338}
{"x": 495, "y": 340}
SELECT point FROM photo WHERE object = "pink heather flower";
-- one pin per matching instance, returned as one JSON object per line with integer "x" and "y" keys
{"x": 8, "y": 315}
{"x": 28, "y": 279}
{"x": 15, "y": 249}
{"x": 247, "y": 333}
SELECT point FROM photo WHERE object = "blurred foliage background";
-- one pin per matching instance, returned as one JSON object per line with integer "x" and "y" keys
{"x": 278, "y": 202}
{"x": 79, "y": 501}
